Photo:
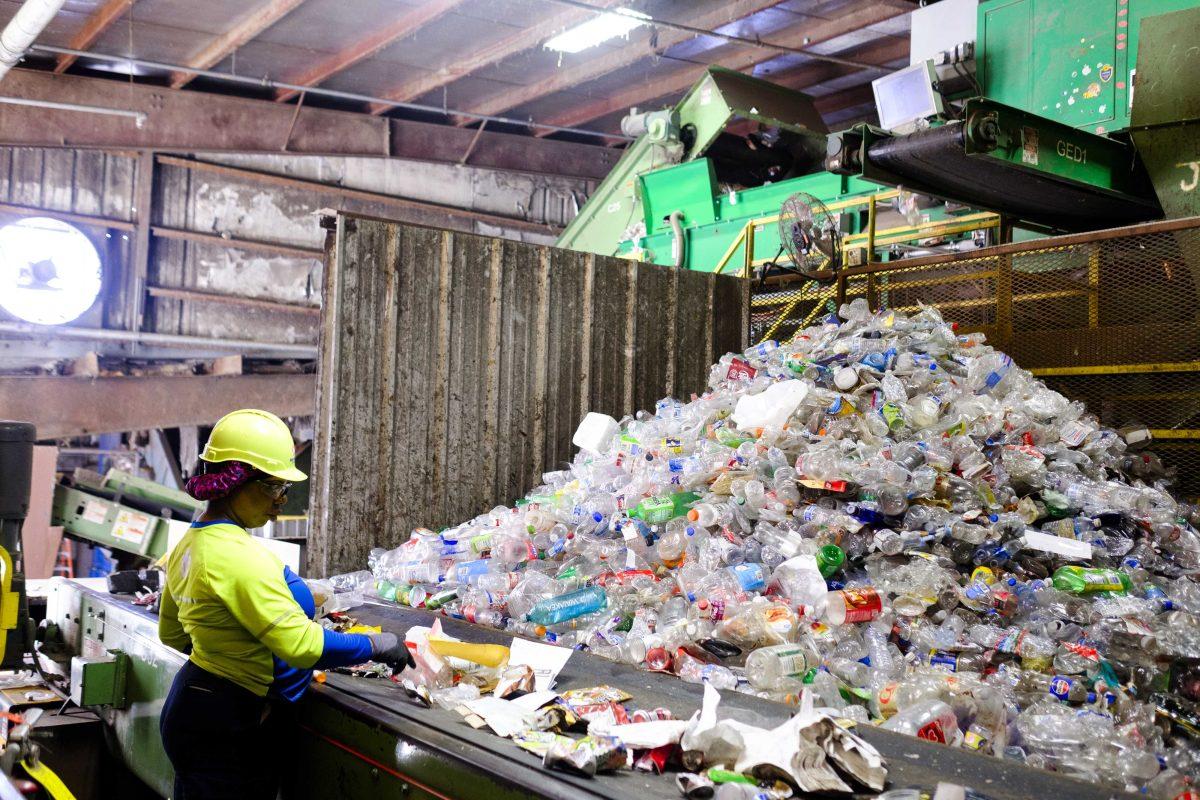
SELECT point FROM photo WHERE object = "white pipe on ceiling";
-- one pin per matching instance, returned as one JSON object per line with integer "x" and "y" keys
{"x": 25, "y": 26}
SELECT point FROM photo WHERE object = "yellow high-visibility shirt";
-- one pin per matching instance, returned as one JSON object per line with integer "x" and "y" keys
{"x": 226, "y": 596}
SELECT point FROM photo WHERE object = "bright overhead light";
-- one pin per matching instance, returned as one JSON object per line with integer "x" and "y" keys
{"x": 49, "y": 271}
{"x": 601, "y": 28}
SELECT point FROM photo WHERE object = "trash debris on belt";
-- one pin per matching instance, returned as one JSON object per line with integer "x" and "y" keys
{"x": 885, "y": 515}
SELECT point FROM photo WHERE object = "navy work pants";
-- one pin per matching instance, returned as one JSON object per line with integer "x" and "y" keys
{"x": 223, "y": 740}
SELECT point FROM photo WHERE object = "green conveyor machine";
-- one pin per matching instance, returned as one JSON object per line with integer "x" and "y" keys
{"x": 1034, "y": 122}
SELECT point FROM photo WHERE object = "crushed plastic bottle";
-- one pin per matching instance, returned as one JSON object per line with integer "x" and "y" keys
{"x": 905, "y": 522}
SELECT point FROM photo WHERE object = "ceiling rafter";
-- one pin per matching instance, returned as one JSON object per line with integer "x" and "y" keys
{"x": 247, "y": 28}
{"x": 740, "y": 58}
{"x": 859, "y": 95}
{"x": 405, "y": 25}
{"x": 645, "y": 43}
{"x": 519, "y": 42}
{"x": 100, "y": 20}
{"x": 880, "y": 51}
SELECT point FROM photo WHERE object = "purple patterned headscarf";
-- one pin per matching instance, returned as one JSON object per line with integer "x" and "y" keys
{"x": 219, "y": 480}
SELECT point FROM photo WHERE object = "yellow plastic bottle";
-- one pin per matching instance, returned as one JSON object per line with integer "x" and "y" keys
{"x": 489, "y": 655}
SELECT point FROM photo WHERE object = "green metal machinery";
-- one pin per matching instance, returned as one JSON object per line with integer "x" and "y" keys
{"x": 692, "y": 192}
{"x": 120, "y": 511}
{"x": 1043, "y": 133}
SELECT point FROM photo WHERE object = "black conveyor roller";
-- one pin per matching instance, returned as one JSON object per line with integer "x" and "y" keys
{"x": 935, "y": 161}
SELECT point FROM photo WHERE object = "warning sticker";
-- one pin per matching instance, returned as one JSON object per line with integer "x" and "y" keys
{"x": 1029, "y": 145}
{"x": 131, "y": 527}
{"x": 93, "y": 648}
{"x": 94, "y": 511}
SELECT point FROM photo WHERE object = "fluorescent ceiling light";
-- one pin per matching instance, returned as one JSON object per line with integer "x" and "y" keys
{"x": 49, "y": 271}
{"x": 601, "y": 28}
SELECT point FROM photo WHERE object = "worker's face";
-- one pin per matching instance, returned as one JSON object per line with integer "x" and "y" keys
{"x": 258, "y": 501}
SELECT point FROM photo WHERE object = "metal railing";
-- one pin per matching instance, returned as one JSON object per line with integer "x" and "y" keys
{"x": 744, "y": 242}
{"x": 1111, "y": 318}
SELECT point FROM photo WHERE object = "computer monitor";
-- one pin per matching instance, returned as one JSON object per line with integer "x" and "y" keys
{"x": 907, "y": 96}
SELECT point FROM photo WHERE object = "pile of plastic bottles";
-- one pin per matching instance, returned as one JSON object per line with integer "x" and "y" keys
{"x": 884, "y": 512}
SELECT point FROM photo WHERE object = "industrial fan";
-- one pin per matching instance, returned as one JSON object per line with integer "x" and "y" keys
{"x": 809, "y": 234}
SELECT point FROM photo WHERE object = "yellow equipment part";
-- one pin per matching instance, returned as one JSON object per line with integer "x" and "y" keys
{"x": 9, "y": 600}
{"x": 46, "y": 776}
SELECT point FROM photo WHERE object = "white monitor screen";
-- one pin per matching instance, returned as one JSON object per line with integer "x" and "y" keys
{"x": 906, "y": 96}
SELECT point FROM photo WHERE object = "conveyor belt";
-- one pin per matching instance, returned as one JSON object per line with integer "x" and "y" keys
{"x": 935, "y": 160}
{"x": 359, "y": 737}
{"x": 911, "y": 762}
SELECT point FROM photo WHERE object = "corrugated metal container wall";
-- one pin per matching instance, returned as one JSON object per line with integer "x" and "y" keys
{"x": 455, "y": 368}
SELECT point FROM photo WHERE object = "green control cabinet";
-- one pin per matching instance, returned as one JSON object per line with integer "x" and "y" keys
{"x": 99, "y": 680}
{"x": 1072, "y": 61}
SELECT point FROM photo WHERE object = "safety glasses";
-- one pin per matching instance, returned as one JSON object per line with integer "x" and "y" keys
{"x": 274, "y": 490}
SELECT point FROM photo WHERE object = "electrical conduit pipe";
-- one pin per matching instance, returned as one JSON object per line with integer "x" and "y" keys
{"x": 25, "y": 26}
{"x": 678, "y": 243}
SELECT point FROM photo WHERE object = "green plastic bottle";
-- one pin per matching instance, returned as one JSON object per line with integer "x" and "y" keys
{"x": 830, "y": 558}
{"x": 1081, "y": 580}
{"x": 661, "y": 508}
{"x": 436, "y": 601}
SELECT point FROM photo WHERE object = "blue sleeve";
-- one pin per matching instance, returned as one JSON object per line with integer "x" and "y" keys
{"x": 344, "y": 649}
{"x": 300, "y": 591}
{"x": 341, "y": 649}
{"x": 289, "y": 682}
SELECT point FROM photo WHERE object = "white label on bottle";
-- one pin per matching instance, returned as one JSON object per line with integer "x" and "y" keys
{"x": 1074, "y": 432}
{"x": 1069, "y": 548}
{"x": 792, "y": 663}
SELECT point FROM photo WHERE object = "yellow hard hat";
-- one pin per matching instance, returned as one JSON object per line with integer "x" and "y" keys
{"x": 259, "y": 438}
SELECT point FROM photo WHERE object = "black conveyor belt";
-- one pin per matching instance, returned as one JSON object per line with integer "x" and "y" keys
{"x": 935, "y": 161}
{"x": 911, "y": 762}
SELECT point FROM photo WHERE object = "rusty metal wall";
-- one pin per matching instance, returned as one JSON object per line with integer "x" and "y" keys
{"x": 229, "y": 246}
{"x": 230, "y": 209}
{"x": 454, "y": 369}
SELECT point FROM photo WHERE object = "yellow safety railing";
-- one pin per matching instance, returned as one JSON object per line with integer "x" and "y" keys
{"x": 871, "y": 238}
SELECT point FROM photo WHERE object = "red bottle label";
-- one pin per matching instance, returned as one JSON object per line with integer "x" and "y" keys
{"x": 739, "y": 370}
{"x": 932, "y": 732}
{"x": 862, "y": 605}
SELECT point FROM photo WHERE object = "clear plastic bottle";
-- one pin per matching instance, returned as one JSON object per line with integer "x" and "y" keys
{"x": 932, "y": 720}
{"x": 777, "y": 667}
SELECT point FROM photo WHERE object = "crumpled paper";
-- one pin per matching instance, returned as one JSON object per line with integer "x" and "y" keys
{"x": 802, "y": 751}
{"x": 515, "y": 680}
{"x": 708, "y": 740}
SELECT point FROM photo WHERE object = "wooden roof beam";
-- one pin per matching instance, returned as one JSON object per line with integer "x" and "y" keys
{"x": 881, "y": 52}
{"x": 100, "y": 20}
{"x": 246, "y": 28}
{"x": 646, "y": 42}
{"x": 804, "y": 34}
{"x": 405, "y": 25}
{"x": 847, "y": 98}
{"x": 519, "y": 42}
